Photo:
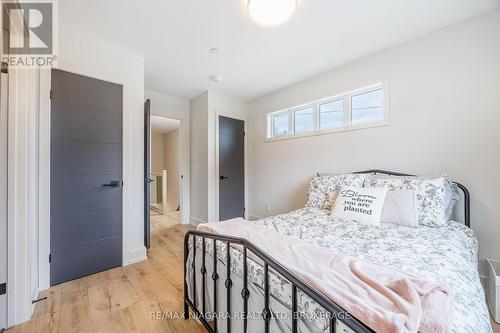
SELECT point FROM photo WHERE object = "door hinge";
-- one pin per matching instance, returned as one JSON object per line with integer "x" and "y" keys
{"x": 3, "y": 288}
{"x": 5, "y": 67}
{"x": 51, "y": 94}
{"x": 50, "y": 258}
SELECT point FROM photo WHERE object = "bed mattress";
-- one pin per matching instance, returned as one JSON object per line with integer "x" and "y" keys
{"x": 447, "y": 255}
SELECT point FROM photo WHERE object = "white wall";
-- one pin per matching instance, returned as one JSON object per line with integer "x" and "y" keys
{"x": 157, "y": 151}
{"x": 223, "y": 104}
{"x": 199, "y": 159}
{"x": 171, "y": 155}
{"x": 177, "y": 108}
{"x": 445, "y": 113}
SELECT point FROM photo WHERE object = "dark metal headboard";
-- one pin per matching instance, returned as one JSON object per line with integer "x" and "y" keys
{"x": 460, "y": 186}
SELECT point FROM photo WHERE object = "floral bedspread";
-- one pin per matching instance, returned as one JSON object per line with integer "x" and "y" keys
{"x": 447, "y": 255}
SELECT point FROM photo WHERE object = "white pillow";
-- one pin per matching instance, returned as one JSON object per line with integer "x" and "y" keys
{"x": 399, "y": 208}
{"x": 363, "y": 205}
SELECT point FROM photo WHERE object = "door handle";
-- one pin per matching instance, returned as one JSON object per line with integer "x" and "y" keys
{"x": 223, "y": 177}
{"x": 113, "y": 183}
{"x": 149, "y": 180}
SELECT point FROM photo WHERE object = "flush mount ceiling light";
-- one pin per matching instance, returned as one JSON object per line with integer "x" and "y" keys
{"x": 271, "y": 13}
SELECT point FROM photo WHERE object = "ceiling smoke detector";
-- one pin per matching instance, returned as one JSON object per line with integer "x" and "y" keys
{"x": 216, "y": 78}
{"x": 271, "y": 13}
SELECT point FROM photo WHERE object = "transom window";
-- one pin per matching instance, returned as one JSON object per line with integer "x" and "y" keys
{"x": 303, "y": 120}
{"x": 280, "y": 124}
{"x": 357, "y": 109}
{"x": 331, "y": 114}
{"x": 367, "y": 107}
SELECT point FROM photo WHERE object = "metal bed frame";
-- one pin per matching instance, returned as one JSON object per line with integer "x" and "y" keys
{"x": 334, "y": 310}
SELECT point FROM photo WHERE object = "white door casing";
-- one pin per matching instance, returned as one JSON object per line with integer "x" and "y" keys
{"x": 3, "y": 197}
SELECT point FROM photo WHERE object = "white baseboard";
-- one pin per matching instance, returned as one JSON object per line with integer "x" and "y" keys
{"x": 195, "y": 221}
{"x": 137, "y": 255}
{"x": 254, "y": 217}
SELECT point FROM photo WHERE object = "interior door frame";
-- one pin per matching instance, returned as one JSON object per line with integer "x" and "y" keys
{"x": 217, "y": 174}
{"x": 147, "y": 173}
{"x": 45, "y": 168}
{"x": 123, "y": 178}
{"x": 184, "y": 219}
{"x": 4, "y": 114}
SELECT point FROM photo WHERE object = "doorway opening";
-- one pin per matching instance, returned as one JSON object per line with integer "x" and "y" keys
{"x": 165, "y": 175}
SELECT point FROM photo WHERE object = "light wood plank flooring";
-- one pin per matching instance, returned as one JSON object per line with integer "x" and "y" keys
{"x": 122, "y": 299}
{"x": 496, "y": 327}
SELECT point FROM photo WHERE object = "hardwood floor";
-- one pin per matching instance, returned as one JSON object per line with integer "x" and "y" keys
{"x": 496, "y": 326}
{"x": 123, "y": 299}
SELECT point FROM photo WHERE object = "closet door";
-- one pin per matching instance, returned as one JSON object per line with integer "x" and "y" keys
{"x": 231, "y": 168}
{"x": 86, "y": 176}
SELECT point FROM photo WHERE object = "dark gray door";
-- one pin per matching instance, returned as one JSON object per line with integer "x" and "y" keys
{"x": 231, "y": 168}
{"x": 86, "y": 176}
{"x": 147, "y": 173}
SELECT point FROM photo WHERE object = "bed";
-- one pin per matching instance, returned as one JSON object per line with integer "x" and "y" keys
{"x": 253, "y": 288}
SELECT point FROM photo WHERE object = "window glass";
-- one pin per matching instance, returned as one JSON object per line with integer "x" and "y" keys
{"x": 367, "y": 107}
{"x": 304, "y": 120}
{"x": 362, "y": 107}
{"x": 280, "y": 124}
{"x": 331, "y": 114}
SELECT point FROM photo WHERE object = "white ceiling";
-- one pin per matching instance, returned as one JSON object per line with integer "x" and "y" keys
{"x": 162, "y": 125}
{"x": 175, "y": 37}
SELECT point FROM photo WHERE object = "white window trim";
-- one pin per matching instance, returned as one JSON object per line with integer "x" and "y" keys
{"x": 270, "y": 122}
{"x": 346, "y": 96}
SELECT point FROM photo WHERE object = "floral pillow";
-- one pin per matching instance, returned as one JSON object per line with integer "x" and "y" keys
{"x": 321, "y": 187}
{"x": 430, "y": 196}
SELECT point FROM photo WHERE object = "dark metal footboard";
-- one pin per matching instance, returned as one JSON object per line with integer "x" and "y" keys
{"x": 335, "y": 311}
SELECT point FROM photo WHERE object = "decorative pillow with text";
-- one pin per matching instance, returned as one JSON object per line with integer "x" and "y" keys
{"x": 363, "y": 205}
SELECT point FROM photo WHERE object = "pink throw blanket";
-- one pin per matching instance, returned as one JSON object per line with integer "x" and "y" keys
{"x": 385, "y": 299}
